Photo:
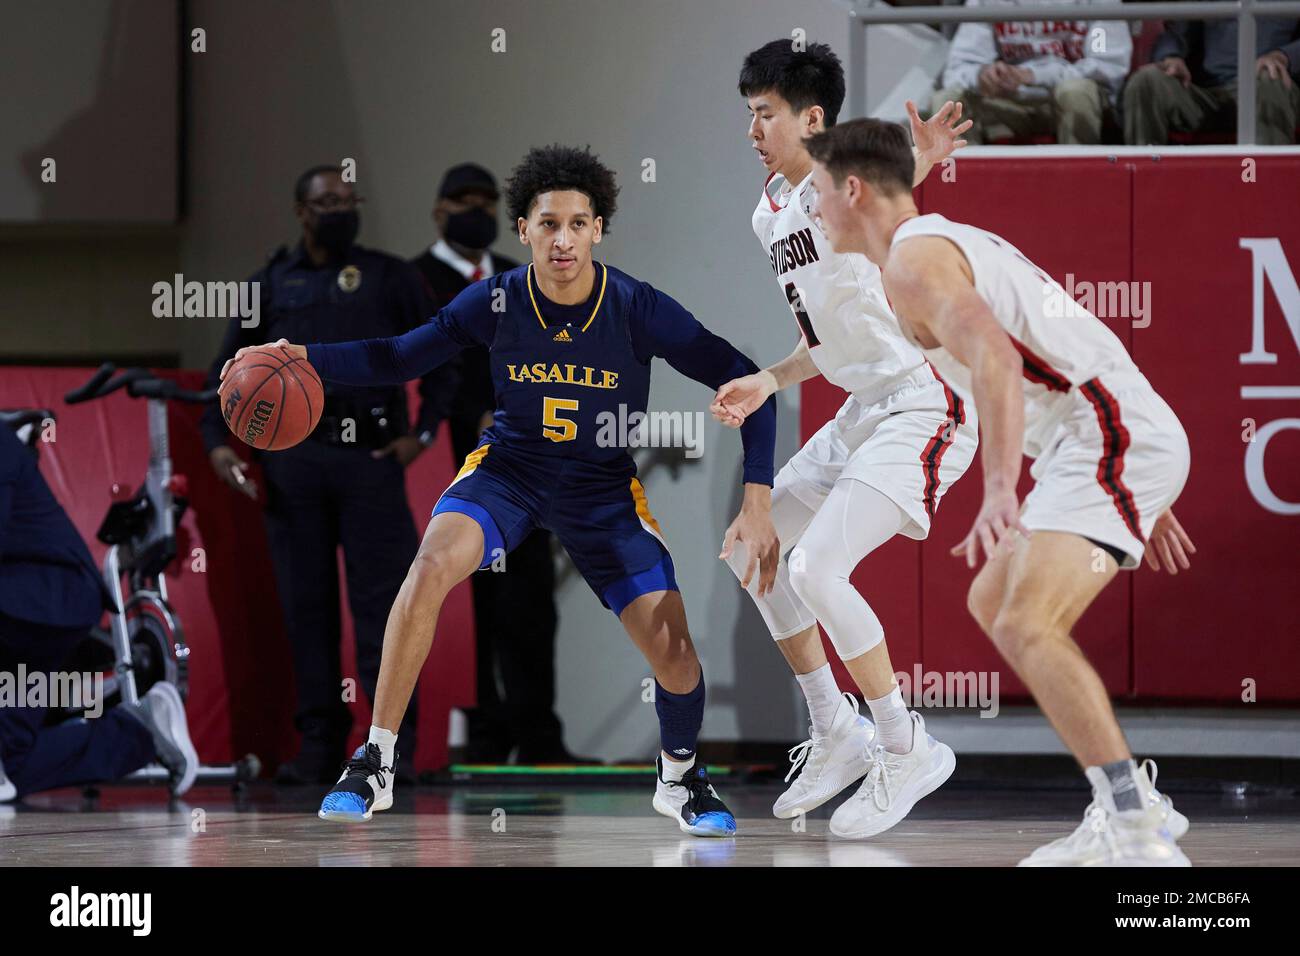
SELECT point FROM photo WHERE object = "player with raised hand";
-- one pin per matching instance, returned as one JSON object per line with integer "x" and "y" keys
{"x": 1052, "y": 382}
{"x": 877, "y": 470}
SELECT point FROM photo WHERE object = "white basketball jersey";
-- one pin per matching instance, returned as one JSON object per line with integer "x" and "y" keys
{"x": 1063, "y": 345}
{"x": 838, "y": 301}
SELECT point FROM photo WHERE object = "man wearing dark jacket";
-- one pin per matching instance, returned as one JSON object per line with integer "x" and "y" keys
{"x": 345, "y": 484}
{"x": 50, "y": 596}
{"x": 1190, "y": 85}
{"x": 517, "y": 649}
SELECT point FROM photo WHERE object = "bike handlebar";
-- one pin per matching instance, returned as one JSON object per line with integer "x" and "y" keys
{"x": 92, "y": 388}
{"x": 167, "y": 389}
{"x": 139, "y": 383}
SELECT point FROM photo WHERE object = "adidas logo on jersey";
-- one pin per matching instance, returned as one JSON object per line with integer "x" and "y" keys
{"x": 563, "y": 336}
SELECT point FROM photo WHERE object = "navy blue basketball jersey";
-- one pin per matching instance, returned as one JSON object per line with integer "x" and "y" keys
{"x": 558, "y": 370}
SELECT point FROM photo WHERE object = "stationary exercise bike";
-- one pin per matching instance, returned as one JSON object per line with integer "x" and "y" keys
{"x": 145, "y": 641}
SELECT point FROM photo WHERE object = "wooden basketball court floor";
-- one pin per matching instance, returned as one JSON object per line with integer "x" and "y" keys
{"x": 496, "y": 825}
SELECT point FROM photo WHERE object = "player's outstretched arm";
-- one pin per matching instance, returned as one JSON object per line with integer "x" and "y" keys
{"x": 389, "y": 361}
{"x": 661, "y": 327}
{"x": 468, "y": 320}
{"x": 927, "y": 281}
{"x": 935, "y": 139}
{"x": 737, "y": 399}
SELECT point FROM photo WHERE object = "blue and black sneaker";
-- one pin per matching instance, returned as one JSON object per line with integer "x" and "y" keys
{"x": 693, "y": 803}
{"x": 365, "y": 787}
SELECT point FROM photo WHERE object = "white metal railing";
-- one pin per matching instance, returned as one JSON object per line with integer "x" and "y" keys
{"x": 866, "y": 13}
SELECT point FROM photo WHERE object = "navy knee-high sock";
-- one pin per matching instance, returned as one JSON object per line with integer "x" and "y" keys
{"x": 680, "y": 717}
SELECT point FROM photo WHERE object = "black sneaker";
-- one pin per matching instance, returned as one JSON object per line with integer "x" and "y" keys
{"x": 366, "y": 786}
{"x": 693, "y": 803}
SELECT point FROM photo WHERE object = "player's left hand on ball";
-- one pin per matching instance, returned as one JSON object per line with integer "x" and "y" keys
{"x": 762, "y": 547}
{"x": 939, "y": 136}
{"x": 994, "y": 529}
{"x": 1169, "y": 545}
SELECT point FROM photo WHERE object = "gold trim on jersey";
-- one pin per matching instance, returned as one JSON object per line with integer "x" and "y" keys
{"x": 472, "y": 461}
{"x": 604, "y": 278}
{"x": 643, "y": 509}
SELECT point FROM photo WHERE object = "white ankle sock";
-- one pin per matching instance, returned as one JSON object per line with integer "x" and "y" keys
{"x": 893, "y": 722}
{"x": 386, "y": 741}
{"x": 823, "y": 696}
{"x": 675, "y": 769}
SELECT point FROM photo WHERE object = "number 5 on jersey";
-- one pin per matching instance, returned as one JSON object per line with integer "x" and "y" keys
{"x": 553, "y": 426}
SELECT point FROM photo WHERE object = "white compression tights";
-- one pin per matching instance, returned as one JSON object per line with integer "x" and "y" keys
{"x": 812, "y": 582}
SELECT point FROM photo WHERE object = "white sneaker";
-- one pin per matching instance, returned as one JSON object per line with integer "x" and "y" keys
{"x": 1123, "y": 838}
{"x": 830, "y": 761}
{"x": 1176, "y": 823}
{"x": 895, "y": 782}
{"x": 7, "y": 790}
{"x": 163, "y": 711}
{"x": 1084, "y": 847}
{"x": 365, "y": 788}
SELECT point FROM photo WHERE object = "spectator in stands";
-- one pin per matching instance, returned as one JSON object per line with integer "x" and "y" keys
{"x": 1057, "y": 77}
{"x": 1190, "y": 85}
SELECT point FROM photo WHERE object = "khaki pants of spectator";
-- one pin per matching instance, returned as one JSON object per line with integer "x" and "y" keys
{"x": 1155, "y": 103}
{"x": 1072, "y": 112}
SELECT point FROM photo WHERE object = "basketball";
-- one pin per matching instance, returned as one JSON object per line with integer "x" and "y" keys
{"x": 271, "y": 400}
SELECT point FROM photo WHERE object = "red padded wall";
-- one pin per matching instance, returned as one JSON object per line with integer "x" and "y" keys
{"x": 1177, "y": 224}
{"x": 1235, "y": 616}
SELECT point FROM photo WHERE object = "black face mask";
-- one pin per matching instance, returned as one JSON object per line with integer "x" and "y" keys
{"x": 336, "y": 231}
{"x": 473, "y": 229}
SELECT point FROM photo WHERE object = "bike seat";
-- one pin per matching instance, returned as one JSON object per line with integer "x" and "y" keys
{"x": 26, "y": 423}
{"x": 16, "y": 418}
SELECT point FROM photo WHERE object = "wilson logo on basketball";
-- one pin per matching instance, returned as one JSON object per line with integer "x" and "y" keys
{"x": 257, "y": 421}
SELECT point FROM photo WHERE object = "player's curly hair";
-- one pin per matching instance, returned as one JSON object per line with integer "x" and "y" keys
{"x": 547, "y": 168}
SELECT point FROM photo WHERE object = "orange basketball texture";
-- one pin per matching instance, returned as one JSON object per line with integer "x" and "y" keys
{"x": 271, "y": 400}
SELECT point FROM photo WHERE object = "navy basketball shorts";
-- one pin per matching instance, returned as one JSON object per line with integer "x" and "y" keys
{"x": 598, "y": 512}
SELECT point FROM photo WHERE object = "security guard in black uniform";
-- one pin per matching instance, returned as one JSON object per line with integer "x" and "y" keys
{"x": 345, "y": 483}
{"x": 519, "y": 648}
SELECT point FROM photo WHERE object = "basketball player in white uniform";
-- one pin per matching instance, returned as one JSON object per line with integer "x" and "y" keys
{"x": 1050, "y": 381}
{"x": 878, "y": 469}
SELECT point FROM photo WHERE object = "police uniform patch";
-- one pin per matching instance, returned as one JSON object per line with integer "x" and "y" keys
{"x": 349, "y": 279}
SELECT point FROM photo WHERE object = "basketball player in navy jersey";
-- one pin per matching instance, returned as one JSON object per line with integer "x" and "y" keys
{"x": 568, "y": 340}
